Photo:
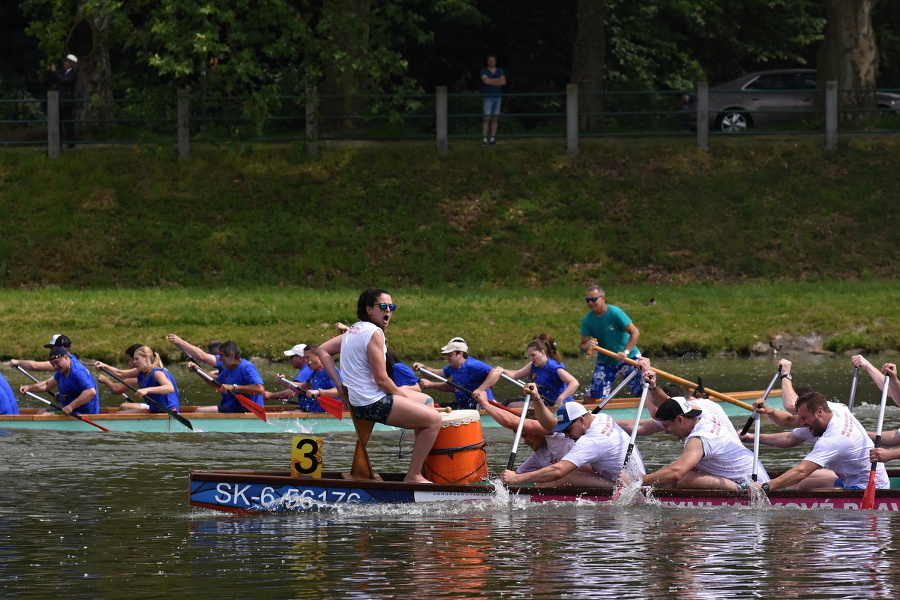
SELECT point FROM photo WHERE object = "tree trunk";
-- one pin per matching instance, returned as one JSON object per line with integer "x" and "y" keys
{"x": 589, "y": 62}
{"x": 849, "y": 55}
{"x": 93, "y": 89}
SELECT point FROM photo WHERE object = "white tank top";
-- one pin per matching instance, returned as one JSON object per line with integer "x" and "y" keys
{"x": 355, "y": 368}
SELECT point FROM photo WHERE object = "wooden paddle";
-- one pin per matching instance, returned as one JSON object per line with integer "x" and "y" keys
{"x": 755, "y": 416}
{"x": 172, "y": 414}
{"x": 332, "y": 406}
{"x": 246, "y": 402}
{"x": 72, "y": 414}
{"x": 868, "y": 500}
{"x": 676, "y": 379}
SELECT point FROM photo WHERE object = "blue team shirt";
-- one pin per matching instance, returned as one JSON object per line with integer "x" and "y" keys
{"x": 548, "y": 381}
{"x": 470, "y": 375}
{"x": 318, "y": 380}
{"x": 170, "y": 401}
{"x": 402, "y": 375}
{"x": 303, "y": 374}
{"x": 72, "y": 385}
{"x": 244, "y": 373}
{"x": 8, "y": 404}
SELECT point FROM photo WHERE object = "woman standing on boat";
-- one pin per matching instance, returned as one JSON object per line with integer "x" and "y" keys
{"x": 554, "y": 382}
{"x": 372, "y": 394}
{"x": 153, "y": 381}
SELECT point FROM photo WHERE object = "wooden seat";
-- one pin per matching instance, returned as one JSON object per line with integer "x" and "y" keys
{"x": 361, "y": 467}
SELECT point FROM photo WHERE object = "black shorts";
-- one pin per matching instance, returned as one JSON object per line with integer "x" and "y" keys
{"x": 378, "y": 411}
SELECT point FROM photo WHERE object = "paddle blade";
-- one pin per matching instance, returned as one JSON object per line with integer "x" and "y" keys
{"x": 332, "y": 406}
{"x": 252, "y": 406}
{"x": 868, "y": 501}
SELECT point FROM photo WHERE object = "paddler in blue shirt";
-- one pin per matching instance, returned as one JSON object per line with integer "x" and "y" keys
{"x": 236, "y": 375}
{"x": 78, "y": 391}
{"x": 463, "y": 370}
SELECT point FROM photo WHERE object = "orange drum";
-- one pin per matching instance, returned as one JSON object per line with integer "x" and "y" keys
{"x": 458, "y": 454}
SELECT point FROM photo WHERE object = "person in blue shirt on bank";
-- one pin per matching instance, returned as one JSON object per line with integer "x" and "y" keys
{"x": 612, "y": 329}
{"x": 463, "y": 370}
{"x": 8, "y": 404}
{"x": 236, "y": 375}
{"x": 553, "y": 381}
{"x": 492, "y": 79}
{"x": 151, "y": 380}
{"x": 78, "y": 391}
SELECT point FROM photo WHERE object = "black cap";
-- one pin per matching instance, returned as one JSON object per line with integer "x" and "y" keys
{"x": 57, "y": 352}
{"x": 59, "y": 340}
{"x": 676, "y": 407}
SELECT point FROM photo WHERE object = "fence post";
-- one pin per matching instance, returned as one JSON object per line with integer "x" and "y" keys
{"x": 440, "y": 109}
{"x": 53, "y": 124}
{"x": 183, "y": 117}
{"x": 312, "y": 131}
{"x": 572, "y": 118}
{"x": 831, "y": 115}
{"x": 703, "y": 115}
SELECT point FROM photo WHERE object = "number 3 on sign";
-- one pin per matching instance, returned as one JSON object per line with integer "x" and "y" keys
{"x": 306, "y": 457}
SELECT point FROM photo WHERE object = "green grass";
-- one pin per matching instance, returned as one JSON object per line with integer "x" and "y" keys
{"x": 700, "y": 318}
{"x": 522, "y": 214}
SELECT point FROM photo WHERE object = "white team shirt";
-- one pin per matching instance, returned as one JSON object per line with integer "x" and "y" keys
{"x": 557, "y": 446}
{"x": 603, "y": 446}
{"x": 844, "y": 448}
{"x": 724, "y": 454}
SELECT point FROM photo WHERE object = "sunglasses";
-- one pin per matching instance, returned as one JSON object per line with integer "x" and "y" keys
{"x": 386, "y": 306}
{"x": 594, "y": 299}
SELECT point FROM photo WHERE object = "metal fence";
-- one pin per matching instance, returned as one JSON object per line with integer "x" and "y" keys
{"x": 312, "y": 119}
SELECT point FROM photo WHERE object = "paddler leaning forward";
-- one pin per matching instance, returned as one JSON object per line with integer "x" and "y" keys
{"x": 372, "y": 394}
{"x": 599, "y": 442}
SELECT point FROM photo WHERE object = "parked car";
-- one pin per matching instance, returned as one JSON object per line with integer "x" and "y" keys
{"x": 763, "y": 98}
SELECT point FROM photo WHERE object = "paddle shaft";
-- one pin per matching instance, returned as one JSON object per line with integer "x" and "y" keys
{"x": 72, "y": 414}
{"x": 615, "y": 391}
{"x": 678, "y": 380}
{"x": 515, "y": 447}
{"x": 634, "y": 429}
{"x": 765, "y": 397}
{"x": 172, "y": 414}
{"x": 522, "y": 384}
{"x": 853, "y": 388}
{"x": 868, "y": 500}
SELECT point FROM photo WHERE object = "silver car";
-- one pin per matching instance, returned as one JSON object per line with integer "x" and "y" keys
{"x": 763, "y": 98}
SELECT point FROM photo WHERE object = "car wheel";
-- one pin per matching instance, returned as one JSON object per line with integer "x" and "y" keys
{"x": 733, "y": 122}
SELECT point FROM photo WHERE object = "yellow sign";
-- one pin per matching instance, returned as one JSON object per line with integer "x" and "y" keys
{"x": 306, "y": 457}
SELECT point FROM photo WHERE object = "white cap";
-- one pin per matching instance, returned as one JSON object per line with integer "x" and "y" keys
{"x": 457, "y": 344}
{"x": 296, "y": 350}
{"x": 72, "y": 58}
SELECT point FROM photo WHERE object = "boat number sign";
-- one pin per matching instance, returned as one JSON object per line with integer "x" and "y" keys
{"x": 306, "y": 457}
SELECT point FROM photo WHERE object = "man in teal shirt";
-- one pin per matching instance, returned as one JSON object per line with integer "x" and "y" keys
{"x": 613, "y": 330}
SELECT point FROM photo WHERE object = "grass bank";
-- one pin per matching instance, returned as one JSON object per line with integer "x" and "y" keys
{"x": 698, "y": 318}
{"x": 522, "y": 214}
